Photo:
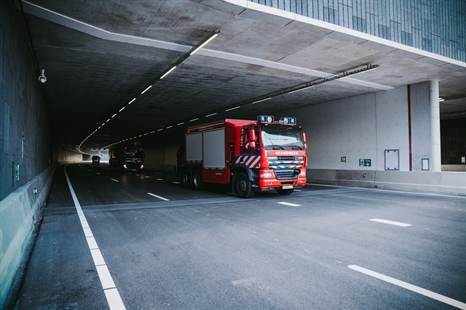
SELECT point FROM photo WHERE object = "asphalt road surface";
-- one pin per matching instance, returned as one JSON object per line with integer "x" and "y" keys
{"x": 141, "y": 241}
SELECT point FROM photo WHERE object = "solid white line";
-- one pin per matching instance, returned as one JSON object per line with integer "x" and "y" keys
{"x": 113, "y": 298}
{"x": 417, "y": 289}
{"x": 289, "y": 204}
{"x": 114, "y": 180}
{"x": 159, "y": 197}
{"x": 391, "y": 222}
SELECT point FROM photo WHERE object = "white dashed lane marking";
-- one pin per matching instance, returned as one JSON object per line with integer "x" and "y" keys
{"x": 159, "y": 197}
{"x": 391, "y": 222}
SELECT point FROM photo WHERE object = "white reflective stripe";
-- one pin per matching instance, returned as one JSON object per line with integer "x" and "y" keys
{"x": 238, "y": 159}
{"x": 249, "y": 161}
{"x": 253, "y": 165}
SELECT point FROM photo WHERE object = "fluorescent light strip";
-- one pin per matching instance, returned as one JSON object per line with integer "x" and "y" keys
{"x": 203, "y": 44}
{"x": 231, "y": 109}
{"x": 108, "y": 121}
{"x": 113, "y": 115}
{"x": 261, "y": 100}
{"x": 121, "y": 109}
{"x": 132, "y": 101}
{"x": 211, "y": 115}
{"x": 194, "y": 119}
{"x": 160, "y": 129}
{"x": 146, "y": 89}
{"x": 174, "y": 67}
{"x": 180, "y": 124}
{"x": 295, "y": 91}
{"x": 168, "y": 127}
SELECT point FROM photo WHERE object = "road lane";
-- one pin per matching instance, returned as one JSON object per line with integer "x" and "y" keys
{"x": 223, "y": 252}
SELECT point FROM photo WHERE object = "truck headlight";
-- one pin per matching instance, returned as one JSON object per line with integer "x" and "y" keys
{"x": 267, "y": 175}
{"x": 302, "y": 174}
{"x": 124, "y": 166}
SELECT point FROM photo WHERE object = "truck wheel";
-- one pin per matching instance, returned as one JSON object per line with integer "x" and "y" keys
{"x": 185, "y": 181}
{"x": 285, "y": 191}
{"x": 243, "y": 186}
{"x": 198, "y": 184}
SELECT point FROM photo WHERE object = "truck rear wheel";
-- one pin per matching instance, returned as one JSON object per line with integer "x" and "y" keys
{"x": 243, "y": 186}
{"x": 198, "y": 184}
{"x": 285, "y": 191}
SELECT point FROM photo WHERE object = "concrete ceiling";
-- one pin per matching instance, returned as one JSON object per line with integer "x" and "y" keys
{"x": 98, "y": 55}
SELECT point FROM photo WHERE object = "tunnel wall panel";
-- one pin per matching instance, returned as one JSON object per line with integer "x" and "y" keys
{"x": 26, "y": 152}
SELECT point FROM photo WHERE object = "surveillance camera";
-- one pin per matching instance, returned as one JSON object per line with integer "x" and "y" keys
{"x": 42, "y": 77}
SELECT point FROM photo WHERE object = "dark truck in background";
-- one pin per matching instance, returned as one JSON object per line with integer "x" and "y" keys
{"x": 127, "y": 157}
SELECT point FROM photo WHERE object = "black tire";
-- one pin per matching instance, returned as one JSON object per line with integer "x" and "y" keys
{"x": 285, "y": 191}
{"x": 198, "y": 183}
{"x": 243, "y": 186}
{"x": 185, "y": 179}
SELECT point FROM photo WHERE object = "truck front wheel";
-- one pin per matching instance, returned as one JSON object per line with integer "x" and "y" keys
{"x": 243, "y": 186}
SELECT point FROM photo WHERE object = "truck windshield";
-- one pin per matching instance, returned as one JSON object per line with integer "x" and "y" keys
{"x": 133, "y": 154}
{"x": 278, "y": 137}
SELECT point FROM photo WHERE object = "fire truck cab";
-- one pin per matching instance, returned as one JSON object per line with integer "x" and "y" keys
{"x": 250, "y": 155}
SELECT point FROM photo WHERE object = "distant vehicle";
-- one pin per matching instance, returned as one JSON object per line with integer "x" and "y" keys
{"x": 96, "y": 160}
{"x": 247, "y": 154}
{"x": 127, "y": 157}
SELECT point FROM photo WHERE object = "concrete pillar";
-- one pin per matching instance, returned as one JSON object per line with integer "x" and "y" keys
{"x": 435, "y": 158}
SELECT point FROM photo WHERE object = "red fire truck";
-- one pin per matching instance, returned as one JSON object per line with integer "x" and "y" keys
{"x": 127, "y": 157}
{"x": 261, "y": 154}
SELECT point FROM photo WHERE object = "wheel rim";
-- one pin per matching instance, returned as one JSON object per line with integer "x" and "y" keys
{"x": 242, "y": 185}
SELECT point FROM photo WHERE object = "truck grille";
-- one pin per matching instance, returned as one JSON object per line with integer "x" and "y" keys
{"x": 285, "y": 174}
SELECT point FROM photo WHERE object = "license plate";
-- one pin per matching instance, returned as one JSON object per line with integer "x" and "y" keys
{"x": 287, "y": 186}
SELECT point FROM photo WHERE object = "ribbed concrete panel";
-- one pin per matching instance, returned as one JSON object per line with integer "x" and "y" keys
{"x": 433, "y": 26}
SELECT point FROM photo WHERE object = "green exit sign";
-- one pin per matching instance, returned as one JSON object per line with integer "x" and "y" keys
{"x": 364, "y": 162}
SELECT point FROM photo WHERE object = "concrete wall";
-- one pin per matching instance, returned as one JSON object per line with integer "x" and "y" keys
{"x": 19, "y": 214}
{"x": 360, "y": 127}
{"x": 369, "y": 127}
{"x": 26, "y": 152}
{"x": 161, "y": 154}
{"x": 25, "y": 136}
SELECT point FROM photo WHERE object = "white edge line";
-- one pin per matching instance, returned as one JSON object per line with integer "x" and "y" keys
{"x": 159, "y": 197}
{"x": 113, "y": 296}
{"x": 414, "y": 288}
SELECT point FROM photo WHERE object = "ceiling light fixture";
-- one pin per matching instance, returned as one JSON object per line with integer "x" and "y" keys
{"x": 146, "y": 89}
{"x": 209, "y": 115}
{"x": 257, "y": 101}
{"x": 297, "y": 90}
{"x": 168, "y": 72}
{"x": 231, "y": 109}
{"x": 205, "y": 43}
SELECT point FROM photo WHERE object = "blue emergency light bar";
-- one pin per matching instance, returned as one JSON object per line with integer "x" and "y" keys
{"x": 288, "y": 120}
{"x": 265, "y": 119}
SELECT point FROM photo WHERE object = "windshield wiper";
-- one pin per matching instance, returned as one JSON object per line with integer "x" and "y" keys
{"x": 277, "y": 147}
